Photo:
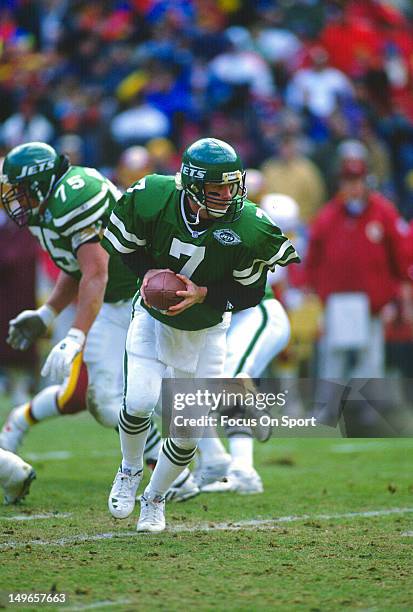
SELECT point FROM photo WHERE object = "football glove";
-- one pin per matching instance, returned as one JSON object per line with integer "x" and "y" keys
{"x": 28, "y": 326}
{"x": 61, "y": 357}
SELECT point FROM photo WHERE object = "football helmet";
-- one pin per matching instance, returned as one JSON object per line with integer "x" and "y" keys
{"x": 210, "y": 160}
{"x": 30, "y": 171}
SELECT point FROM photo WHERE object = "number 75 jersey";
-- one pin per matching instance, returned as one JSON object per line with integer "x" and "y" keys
{"x": 151, "y": 215}
{"x": 77, "y": 212}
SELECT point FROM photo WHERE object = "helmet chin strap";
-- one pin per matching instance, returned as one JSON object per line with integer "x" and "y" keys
{"x": 212, "y": 212}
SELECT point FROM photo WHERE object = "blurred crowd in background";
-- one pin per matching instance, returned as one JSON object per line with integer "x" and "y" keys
{"x": 311, "y": 93}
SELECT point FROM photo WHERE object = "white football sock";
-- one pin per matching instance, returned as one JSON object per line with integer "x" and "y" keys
{"x": 212, "y": 450}
{"x": 172, "y": 461}
{"x": 133, "y": 432}
{"x": 241, "y": 449}
{"x": 44, "y": 404}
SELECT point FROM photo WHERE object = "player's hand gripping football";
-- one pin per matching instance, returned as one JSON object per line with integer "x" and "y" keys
{"x": 193, "y": 295}
{"x": 28, "y": 326}
{"x": 146, "y": 279}
{"x": 61, "y": 357}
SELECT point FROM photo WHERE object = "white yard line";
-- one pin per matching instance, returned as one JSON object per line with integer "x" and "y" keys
{"x": 63, "y": 455}
{"x": 407, "y": 534}
{"x": 235, "y": 526}
{"x": 35, "y": 517}
{"x": 344, "y": 447}
{"x": 374, "y": 445}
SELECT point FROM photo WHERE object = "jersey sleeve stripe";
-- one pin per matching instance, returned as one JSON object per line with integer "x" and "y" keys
{"x": 291, "y": 257}
{"x": 237, "y": 274}
{"x": 114, "y": 220}
{"x": 87, "y": 220}
{"x": 80, "y": 210}
{"x": 253, "y": 278}
{"x": 115, "y": 242}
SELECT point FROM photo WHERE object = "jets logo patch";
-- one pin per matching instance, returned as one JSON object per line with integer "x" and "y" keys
{"x": 227, "y": 237}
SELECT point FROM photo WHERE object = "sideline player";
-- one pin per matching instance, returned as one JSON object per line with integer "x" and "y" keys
{"x": 200, "y": 225}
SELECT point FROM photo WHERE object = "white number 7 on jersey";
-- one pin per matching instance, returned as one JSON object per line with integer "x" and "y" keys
{"x": 195, "y": 253}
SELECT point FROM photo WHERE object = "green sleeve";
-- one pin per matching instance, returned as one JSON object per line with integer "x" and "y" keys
{"x": 125, "y": 231}
{"x": 268, "y": 248}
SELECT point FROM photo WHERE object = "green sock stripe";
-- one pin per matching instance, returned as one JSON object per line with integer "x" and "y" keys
{"x": 149, "y": 446}
{"x": 181, "y": 457}
{"x": 179, "y": 449}
{"x": 131, "y": 426}
{"x": 134, "y": 420}
{"x": 154, "y": 434}
{"x": 176, "y": 461}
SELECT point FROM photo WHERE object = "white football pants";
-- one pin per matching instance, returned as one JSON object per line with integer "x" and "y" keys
{"x": 256, "y": 335}
{"x": 103, "y": 355}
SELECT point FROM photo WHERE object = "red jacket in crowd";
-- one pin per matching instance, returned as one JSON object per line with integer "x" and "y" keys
{"x": 367, "y": 253}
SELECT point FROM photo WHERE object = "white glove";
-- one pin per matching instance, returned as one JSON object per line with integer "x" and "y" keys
{"x": 61, "y": 357}
{"x": 28, "y": 326}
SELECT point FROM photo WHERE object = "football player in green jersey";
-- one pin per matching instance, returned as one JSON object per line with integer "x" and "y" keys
{"x": 255, "y": 337}
{"x": 200, "y": 225}
{"x": 67, "y": 207}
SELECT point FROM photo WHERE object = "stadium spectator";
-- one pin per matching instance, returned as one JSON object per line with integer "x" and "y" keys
{"x": 25, "y": 125}
{"x": 294, "y": 175}
{"x": 134, "y": 163}
{"x": 164, "y": 155}
{"x": 239, "y": 66}
{"x": 319, "y": 88}
{"x": 138, "y": 124}
{"x": 357, "y": 258}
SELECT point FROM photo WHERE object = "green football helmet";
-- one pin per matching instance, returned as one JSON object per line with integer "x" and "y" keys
{"x": 210, "y": 160}
{"x": 30, "y": 171}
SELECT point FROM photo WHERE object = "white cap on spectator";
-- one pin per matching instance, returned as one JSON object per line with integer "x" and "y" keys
{"x": 353, "y": 149}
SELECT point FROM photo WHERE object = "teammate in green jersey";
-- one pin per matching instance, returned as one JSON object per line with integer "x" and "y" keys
{"x": 200, "y": 225}
{"x": 67, "y": 208}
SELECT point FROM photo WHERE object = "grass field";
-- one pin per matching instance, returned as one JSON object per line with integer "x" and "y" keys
{"x": 338, "y": 512}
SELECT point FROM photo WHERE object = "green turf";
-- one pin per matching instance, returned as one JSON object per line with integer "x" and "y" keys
{"x": 353, "y": 563}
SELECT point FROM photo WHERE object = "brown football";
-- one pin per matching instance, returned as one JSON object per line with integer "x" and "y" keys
{"x": 161, "y": 290}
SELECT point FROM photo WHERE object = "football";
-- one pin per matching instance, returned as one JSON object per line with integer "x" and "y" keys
{"x": 161, "y": 290}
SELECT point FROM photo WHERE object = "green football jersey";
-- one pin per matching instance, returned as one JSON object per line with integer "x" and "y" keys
{"x": 78, "y": 211}
{"x": 151, "y": 214}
